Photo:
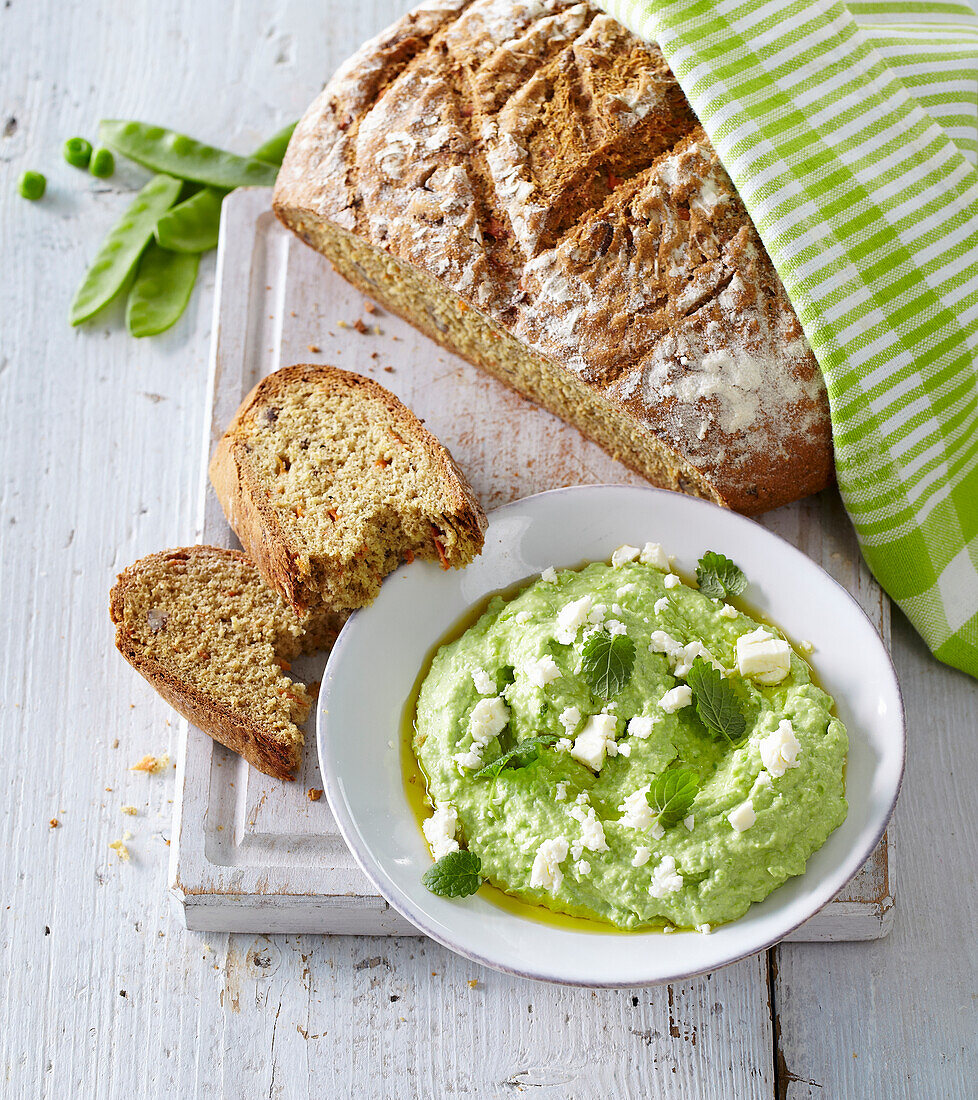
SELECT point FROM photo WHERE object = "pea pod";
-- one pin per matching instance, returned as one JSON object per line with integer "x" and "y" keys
{"x": 162, "y": 150}
{"x": 273, "y": 150}
{"x": 192, "y": 226}
{"x": 161, "y": 290}
{"x": 120, "y": 250}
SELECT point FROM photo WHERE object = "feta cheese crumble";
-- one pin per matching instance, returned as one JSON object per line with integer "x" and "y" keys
{"x": 671, "y": 581}
{"x": 763, "y": 657}
{"x": 728, "y": 612}
{"x": 545, "y": 873}
{"x": 523, "y": 617}
{"x": 663, "y": 603}
{"x": 439, "y": 830}
{"x": 623, "y": 555}
{"x": 641, "y": 857}
{"x": 636, "y": 813}
{"x": 549, "y": 575}
{"x": 592, "y": 831}
{"x": 484, "y": 683}
{"x": 661, "y": 642}
{"x": 653, "y": 554}
{"x": 570, "y": 718}
{"x": 615, "y": 626}
{"x": 541, "y": 671}
{"x": 690, "y": 652}
{"x": 640, "y": 726}
{"x": 665, "y": 878}
{"x": 595, "y": 741}
{"x": 487, "y": 720}
{"x": 689, "y": 823}
{"x": 742, "y": 817}
{"x": 582, "y": 867}
{"x": 571, "y": 617}
{"x": 676, "y": 698}
{"x": 779, "y": 750}
{"x": 560, "y": 791}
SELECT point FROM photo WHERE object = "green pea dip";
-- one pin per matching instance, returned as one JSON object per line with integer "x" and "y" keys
{"x": 572, "y": 830}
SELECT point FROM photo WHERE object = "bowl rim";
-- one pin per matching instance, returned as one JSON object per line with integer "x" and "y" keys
{"x": 416, "y": 915}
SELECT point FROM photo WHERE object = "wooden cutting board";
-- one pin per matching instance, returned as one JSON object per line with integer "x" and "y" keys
{"x": 256, "y": 855}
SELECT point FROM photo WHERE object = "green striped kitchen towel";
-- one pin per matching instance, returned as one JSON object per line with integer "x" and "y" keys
{"x": 850, "y": 134}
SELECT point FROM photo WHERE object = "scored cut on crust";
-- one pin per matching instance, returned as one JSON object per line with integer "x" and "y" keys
{"x": 526, "y": 184}
{"x": 200, "y": 625}
{"x": 329, "y": 481}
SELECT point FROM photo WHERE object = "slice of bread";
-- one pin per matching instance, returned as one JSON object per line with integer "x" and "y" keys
{"x": 329, "y": 482}
{"x": 200, "y": 625}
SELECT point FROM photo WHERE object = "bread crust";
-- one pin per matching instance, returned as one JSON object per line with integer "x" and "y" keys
{"x": 254, "y": 741}
{"x": 451, "y": 159}
{"x": 252, "y": 518}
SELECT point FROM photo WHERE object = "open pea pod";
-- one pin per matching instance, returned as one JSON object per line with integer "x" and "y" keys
{"x": 121, "y": 249}
{"x": 161, "y": 290}
{"x": 193, "y": 225}
{"x": 163, "y": 150}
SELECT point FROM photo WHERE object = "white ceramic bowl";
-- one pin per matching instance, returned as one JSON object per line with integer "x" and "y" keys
{"x": 379, "y": 653}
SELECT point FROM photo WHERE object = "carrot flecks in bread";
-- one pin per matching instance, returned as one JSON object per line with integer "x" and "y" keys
{"x": 329, "y": 497}
{"x": 202, "y": 627}
{"x": 532, "y": 191}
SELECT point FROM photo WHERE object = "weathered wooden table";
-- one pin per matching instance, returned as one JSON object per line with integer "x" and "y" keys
{"x": 101, "y": 439}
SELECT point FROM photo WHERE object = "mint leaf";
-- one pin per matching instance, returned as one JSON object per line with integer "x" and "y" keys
{"x": 454, "y": 876}
{"x": 719, "y": 577}
{"x": 716, "y": 703}
{"x": 522, "y": 753}
{"x": 671, "y": 795}
{"x": 606, "y": 662}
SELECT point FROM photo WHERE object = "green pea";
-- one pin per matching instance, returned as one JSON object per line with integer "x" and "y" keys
{"x": 78, "y": 152}
{"x": 161, "y": 290}
{"x": 103, "y": 163}
{"x": 121, "y": 249}
{"x": 192, "y": 225}
{"x": 273, "y": 150}
{"x": 31, "y": 185}
{"x": 162, "y": 150}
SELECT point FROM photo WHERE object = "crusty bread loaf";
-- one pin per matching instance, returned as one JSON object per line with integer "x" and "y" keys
{"x": 329, "y": 482}
{"x": 200, "y": 625}
{"x": 525, "y": 182}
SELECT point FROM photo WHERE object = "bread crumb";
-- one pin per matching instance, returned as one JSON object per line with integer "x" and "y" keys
{"x": 121, "y": 850}
{"x": 314, "y": 348}
{"x": 369, "y": 307}
{"x": 115, "y": 743}
{"x": 54, "y": 823}
{"x": 314, "y": 794}
{"x": 130, "y": 810}
{"x": 342, "y": 324}
{"x": 360, "y": 326}
{"x": 473, "y": 983}
{"x": 153, "y": 765}
{"x": 390, "y": 370}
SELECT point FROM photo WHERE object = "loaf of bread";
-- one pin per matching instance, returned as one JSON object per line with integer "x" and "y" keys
{"x": 329, "y": 481}
{"x": 524, "y": 181}
{"x": 200, "y": 625}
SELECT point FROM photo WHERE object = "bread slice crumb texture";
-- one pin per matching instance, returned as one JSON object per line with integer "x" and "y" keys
{"x": 329, "y": 482}
{"x": 202, "y": 627}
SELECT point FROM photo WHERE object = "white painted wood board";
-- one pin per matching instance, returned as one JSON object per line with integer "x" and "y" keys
{"x": 253, "y": 854}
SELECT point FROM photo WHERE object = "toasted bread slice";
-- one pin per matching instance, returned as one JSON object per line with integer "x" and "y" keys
{"x": 200, "y": 625}
{"x": 329, "y": 481}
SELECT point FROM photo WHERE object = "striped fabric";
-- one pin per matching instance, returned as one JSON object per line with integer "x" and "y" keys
{"x": 850, "y": 133}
